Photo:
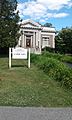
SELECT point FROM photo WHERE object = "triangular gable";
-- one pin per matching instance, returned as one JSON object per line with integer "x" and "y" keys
{"x": 30, "y": 23}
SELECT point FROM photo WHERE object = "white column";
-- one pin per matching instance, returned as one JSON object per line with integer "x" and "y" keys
{"x": 31, "y": 42}
{"x": 9, "y": 57}
{"x": 25, "y": 41}
{"x": 29, "y": 59}
{"x": 37, "y": 39}
{"x": 19, "y": 41}
{"x": 34, "y": 39}
{"x": 40, "y": 40}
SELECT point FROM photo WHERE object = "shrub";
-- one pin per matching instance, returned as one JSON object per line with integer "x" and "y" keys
{"x": 49, "y": 49}
{"x": 60, "y": 57}
{"x": 54, "y": 68}
{"x": 34, "y": 58}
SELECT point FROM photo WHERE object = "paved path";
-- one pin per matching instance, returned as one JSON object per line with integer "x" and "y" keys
{"x": 14, "y": 113}
{"x": 68, "y": 64}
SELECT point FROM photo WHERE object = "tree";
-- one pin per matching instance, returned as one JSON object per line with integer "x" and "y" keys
{"x": 8, "y": 24}
{"x": 64, "y": 40}
{"x": 48, "y": 25}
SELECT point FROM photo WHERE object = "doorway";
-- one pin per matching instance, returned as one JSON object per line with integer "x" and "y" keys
{"x": 28, "y": 41}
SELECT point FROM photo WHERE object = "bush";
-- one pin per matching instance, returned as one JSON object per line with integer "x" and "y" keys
{"x": 52, "y": 55}
{"x": 49, "y": 49}
{"x": 60, "y": 57}
{"x": 34, "y": 58}
{"x": 54, "y": 68}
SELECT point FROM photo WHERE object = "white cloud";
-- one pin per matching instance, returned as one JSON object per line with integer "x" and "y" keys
{"x": 70, "y": 4}
{"x": 42, "y": 20}
{"x": 54, "y": 4}
{"x": 53, "y": 15}
{"x": 32, "y": 9}
{"x": 59, "y": 15}
{"x": 41, "y": 9}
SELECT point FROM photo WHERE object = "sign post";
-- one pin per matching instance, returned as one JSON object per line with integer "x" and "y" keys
{"x": 29, "y": 59}
{"x": 9, "y": 57}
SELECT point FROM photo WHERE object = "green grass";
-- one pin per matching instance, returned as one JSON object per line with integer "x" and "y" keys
{"x": 20, "y": 86}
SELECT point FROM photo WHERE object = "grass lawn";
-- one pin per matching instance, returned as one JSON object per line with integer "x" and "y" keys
{"x": 20, "y": 86}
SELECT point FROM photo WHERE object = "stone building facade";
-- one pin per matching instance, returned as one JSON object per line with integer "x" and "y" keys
{"x": 36, "y": 36}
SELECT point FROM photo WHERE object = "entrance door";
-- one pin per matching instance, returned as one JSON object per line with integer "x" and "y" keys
{"x": 28, "y": 41}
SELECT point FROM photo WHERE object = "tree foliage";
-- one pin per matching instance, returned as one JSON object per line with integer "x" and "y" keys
{"x": 64, "y": 40}
{"x": 48, "y": 25}
{"x": 8, "y": 23}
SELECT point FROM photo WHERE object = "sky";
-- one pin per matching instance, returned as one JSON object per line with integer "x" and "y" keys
{"x": 57, "y": 12}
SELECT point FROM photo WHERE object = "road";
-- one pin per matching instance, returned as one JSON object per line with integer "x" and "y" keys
{"x": 32, "y": 113}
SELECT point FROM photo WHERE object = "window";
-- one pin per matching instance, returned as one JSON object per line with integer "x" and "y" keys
{"x": 46, "y": 41}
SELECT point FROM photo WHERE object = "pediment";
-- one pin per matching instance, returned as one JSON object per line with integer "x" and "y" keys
{"x": 30, "y": 23}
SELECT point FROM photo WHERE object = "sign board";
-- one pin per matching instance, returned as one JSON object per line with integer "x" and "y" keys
{"x": 19, "y": 53}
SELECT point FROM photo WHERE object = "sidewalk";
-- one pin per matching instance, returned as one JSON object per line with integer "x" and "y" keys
{"x": 32, "y": 113}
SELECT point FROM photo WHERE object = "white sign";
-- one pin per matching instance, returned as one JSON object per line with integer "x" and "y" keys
{"x": 19, "y": 53}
